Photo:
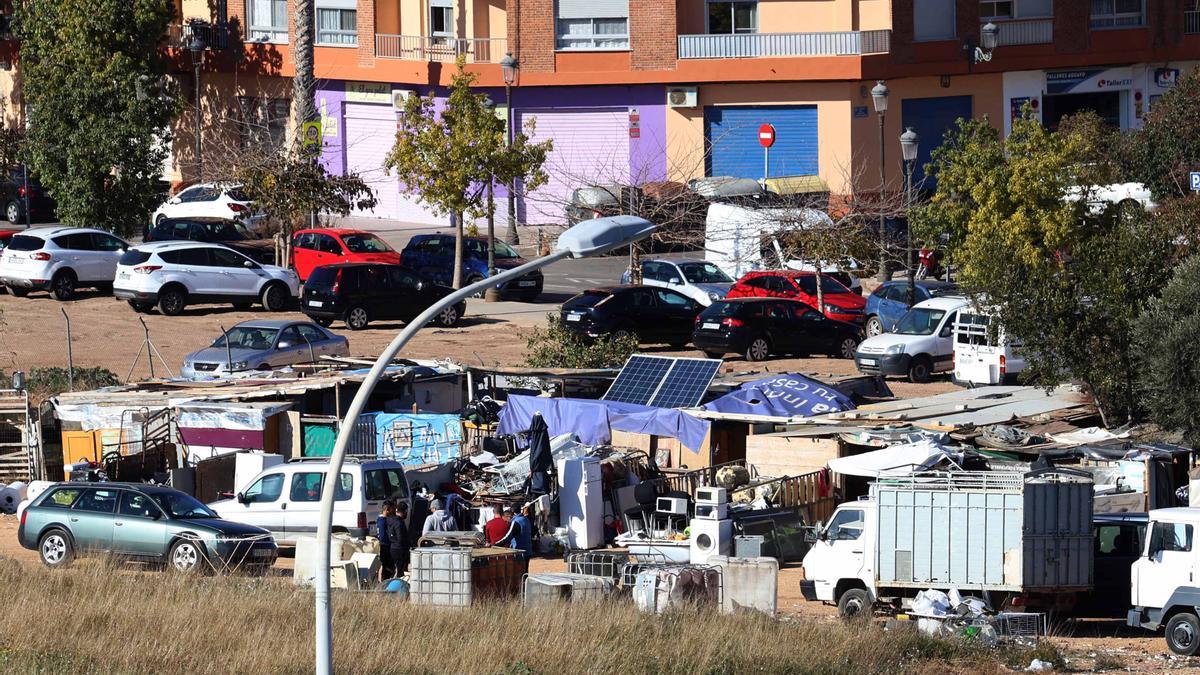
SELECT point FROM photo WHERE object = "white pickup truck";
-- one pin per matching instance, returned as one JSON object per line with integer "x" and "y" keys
{"x": 1166, "y": 580}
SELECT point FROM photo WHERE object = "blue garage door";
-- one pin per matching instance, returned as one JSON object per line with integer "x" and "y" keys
{"x": 931, "y": 118}
{"x": 732, "y": 135}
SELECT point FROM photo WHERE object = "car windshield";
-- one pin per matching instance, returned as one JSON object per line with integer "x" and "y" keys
{"x": 24, "y": 242}
{"x": 920, "y": 321}
{"x": 504, "y": 251}
{"x": 704, "y": 273}
{"x": 587, "y": 299}
{"x": 247, "y": 337}
{"x": 179, "y": 505}
{"x": 367, "y": 243}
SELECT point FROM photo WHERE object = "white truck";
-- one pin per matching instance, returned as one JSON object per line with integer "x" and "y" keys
{"x": 1165, "y": 581}
{"x": 983, "y": 355}
{"x": 1014, "y": 539}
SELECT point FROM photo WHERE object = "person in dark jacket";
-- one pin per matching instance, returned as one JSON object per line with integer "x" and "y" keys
{"x": 385, "y": 553}
{"x": 398, "y": 543}
{"x": 520, "y": 534}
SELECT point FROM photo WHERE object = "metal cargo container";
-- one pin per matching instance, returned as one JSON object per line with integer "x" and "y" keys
{"x": 985, "y": 531}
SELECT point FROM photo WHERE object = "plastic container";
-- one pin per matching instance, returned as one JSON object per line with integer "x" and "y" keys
{"x": 748, "y": 583}
{"x": 497, "y": 572}
{"x": 548, "y": 588}
{"x": 441, "y": 577}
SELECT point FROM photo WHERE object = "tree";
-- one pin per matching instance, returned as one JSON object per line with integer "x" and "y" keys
{"x": 448, "y": 159}
{"x": 100, "y": 105}
{"x": 1170, "y": 353}
{"x": 557, "y": 346}
{"x": 1168, "y": 146}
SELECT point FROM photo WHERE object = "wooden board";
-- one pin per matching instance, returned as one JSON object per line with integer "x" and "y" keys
{"x": 777, "y": 455}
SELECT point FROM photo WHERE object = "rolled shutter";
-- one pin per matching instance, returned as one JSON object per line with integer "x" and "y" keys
{"x": 592, "y": 9}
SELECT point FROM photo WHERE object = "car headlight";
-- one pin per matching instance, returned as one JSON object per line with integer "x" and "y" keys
{"x": 240, "y": 365}
{"x": 894, "y": 349}
{"x": 834, "y": 309}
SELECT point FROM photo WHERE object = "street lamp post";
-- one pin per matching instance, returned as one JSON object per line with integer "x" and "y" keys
{"x": 509, "y": 68}
{"x": 908, "y": 149}
{"x": 589, "y": 238}
{"x": 196, "y": 47}
{"x": 879, "y": 96}
{"x": 979, "y": 52}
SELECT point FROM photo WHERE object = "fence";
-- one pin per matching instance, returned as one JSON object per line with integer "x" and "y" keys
{"x": 213, "y": 36}
{"x": 422, "y": 48}
{"x": 749, "y": 45}
{"x": 1025, "y": 32}
{"x": 1191, "y": 22}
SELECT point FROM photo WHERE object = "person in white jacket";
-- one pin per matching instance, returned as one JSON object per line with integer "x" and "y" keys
{"x": 439, "y": 520}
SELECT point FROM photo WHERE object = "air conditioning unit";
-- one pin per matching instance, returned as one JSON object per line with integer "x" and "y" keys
{"x": 399, "y": 97}
{"x": 681, "y": 97}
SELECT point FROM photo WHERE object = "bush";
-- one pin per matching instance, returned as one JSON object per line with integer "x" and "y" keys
{"x": 1169, "y": 372}
{"x": 556, "y": 346}
{"x": 44, "y": 383}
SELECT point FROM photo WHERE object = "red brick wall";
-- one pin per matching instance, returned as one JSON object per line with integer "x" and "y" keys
{"x": 966, "y": 19}
{"x": 902, "y": 31}
{"x": 531, "y": 33}
{"x": 1165, "y": 19}
{"x": 1072, "y": 26}
{"x": 652, "y": 34}
{"x": 366, "y": 33}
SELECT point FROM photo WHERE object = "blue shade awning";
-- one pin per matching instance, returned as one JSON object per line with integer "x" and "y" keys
{"x": 782, "y": 396}
{"x": 592, "y": 421}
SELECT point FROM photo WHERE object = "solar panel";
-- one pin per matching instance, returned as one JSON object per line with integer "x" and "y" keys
{"x": 663, "y": 381}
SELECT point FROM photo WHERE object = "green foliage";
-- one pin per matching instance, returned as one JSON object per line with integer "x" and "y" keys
{"x": 1168, "y": 146}
{"x": 43, "y": 383}
{"x": 1170, "y": 353}
{"x": 556, "y": 346}
{"x": 100, "y": 105}
{"x": 289, "y": 186}
{"x": 12, "y": 142}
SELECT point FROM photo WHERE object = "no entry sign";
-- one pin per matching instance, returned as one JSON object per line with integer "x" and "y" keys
{"x": 766, "y": 135}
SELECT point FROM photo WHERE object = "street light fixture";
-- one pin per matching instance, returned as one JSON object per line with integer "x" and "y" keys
{"x": 879, "y": 96}
{"x": 588, "y": 238}
{"x": 196, "y": 47}
{"x": 908, "y": 150}
{"x": 509, "y": 69}
{"x": 981, "y": 52}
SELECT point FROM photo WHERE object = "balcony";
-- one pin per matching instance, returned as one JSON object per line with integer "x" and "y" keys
{"x": 766, "y": 45}
{"x": 214, "y": 36}
{"x": 444, "y": 49}
{"x": 1024, "y": 32}
{"x": 1191, "y": 22}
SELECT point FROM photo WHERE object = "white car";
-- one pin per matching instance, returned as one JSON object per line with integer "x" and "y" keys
{"x": 174, "y": 274}
{"x": 208, "y": 200}
{"x": 60, "y": 260}
{"x": 922, "y": 343}
{"x": 701, "y": 281}
{"x": 286, "y": 498}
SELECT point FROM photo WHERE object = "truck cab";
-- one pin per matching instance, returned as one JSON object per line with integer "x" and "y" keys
{"x": 838, "y": 567}
{"x": 1166, "y": 580}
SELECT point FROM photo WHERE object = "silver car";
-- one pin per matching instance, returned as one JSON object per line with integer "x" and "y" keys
{"x": 264, "y": 345}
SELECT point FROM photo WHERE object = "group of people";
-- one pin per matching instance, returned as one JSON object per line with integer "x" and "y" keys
{"x": 392, "y": 530}
{"x": 511, "y": 529}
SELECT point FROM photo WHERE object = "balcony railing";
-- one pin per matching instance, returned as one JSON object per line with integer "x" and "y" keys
{"x": 760, "y": 45}
{"x": 214, "y": 36}
{"x": 421, "y": 48}
{"x": 1025, "y": 32}
{"x": 1191, "y": 22}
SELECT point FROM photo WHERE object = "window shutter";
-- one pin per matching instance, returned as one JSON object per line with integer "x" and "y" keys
{"x": 592, "y": 9}
{"x": 337, "y": 4}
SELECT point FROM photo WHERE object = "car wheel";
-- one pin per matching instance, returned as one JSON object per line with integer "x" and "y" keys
{"x": 448, "y": 317}
{"x": 323, "y": 322}
{"x": 274, "y": 298}
{"x": 714, "y": 355}
{"x": 55, "y": 549}
{"x": 159, "y": 219}
{"x": 172, "y": 301}
{"x": 62, "y": 286}
{"x": 874, "y": 326}
{"x": 847, "y": 347}
{"x": 920, "y": 369}
{"x": 474, "y": 280}
{"x": 1183, "y": 634}
{"x": 622, "y": 334}
{"x": 854, "y": 603}
{"x": 13, "y": 212}
{"x": 187, "y": 557}
{"x": 18, "y": 292}
{"x": 243, "y": 306}
{"x": 758, "y": 349}
{"x": 141, "y": 307}
{"x": 357, "y": 318}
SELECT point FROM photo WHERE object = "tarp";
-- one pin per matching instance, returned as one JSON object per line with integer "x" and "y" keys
{"x": 592, "y": 422}
{"x": 895, "y": 459}
{"x": 414, "y": 439}
{"x": 782, "y": 396}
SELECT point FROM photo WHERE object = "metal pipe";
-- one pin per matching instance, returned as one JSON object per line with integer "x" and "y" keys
{"x": 908, "y": 171}
{"x": 70, "y": 357}
{"x": 199, "y": 157}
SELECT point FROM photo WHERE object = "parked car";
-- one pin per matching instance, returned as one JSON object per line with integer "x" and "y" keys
{"x": 175, "y": 274}
{"x": 701, "y": 281}
{"x": 359, "y": 293}
{"x": 285, "y": 498}
{"x": 213, "y": 200}
{"x": 433, "y": 256}
{"x": 760, "y": 327}
{"x": 654, "y": 315}
{"x": 887, "y": 303}
{"x": 329, "y": 246}
{"x": 840, "y": 270}
{"x": 5, "y": 235}
{"x": 149, "y": 523}
{"x": 921, "y": 344}
{"x": 60, "y": 260}
{"x": 231, "y": 233}
{"x": 19, "y": 192}
{"x": 841, "y": 303}
{"x": 263, "y": 345}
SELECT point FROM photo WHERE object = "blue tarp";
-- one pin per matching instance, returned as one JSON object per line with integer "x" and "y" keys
{"x": 782, "y": 396}
{"x": 417, "y": 438}
{"x": 592, "y": 422}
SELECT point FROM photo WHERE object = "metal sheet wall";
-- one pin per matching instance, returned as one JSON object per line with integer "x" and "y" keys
{"x": 732, "y": 136}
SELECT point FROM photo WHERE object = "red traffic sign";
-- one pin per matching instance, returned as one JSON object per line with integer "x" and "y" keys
{"x": 766, "y": 135}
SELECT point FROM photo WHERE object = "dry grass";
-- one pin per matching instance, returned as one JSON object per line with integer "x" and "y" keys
{"x": 96, "y": 619}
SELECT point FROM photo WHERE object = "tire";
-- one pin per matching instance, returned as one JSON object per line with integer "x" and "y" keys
{"x": 1183, "y": 634}
{"x": 141, "y": 307}
{"x": 55, "y": 549}
{"x": 12, "y": 211}
{"x": 243, "y": 306}
{"x": 275, "y": 298}
{"x": 448, "y": 318}
{"x": 187, "y": 557}
{"x": 159, "y": 219}
{"x": 473, "y": 280}
{"x": 18, "y": 292}
{"x": 758, "y": 349}
{"x": 854, "y": 604}
{"x": 62, "y": 286}
{"x": 357, "y": 318}
{"x": 920, "y": 369}
{"x": 846, "y": 348}
{"x": 621, "y": 334}
{"x": 874, "y": 326}
{"x": 323, "y": 322}
{"x": 172, "y": 301}
{"x": 714, "y": 355}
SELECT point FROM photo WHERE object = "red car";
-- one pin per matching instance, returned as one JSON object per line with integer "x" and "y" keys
{"x": 841, "y": 303}
{"x": 328, "y": 246}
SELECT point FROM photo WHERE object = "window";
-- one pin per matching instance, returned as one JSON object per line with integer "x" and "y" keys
{"x": 777, "y": 311}
{"x": 337, "y": 26}
{"x": 291, "y": 337}
{"x": 808, "y": 284}
{"x": 642, "y": 299}
{"x": 726, "y": 18}
{"x": 306, "y": 241}
{"x": 263, "y": 122}
{"x": 1015, "y": 9}
{"x": 919, "y": 321}
{"x": 224, "y": 258}
{"x": 805, "y": 313}
{"x": 384, "y": 484}
{"x": 61, "y": 498}
{"x": 267, "y": 20}
{"x": 97, "y": 501}
{"x": 996, "y": 9}
{"x": 656, "y": 271}
{"x": 189, "y": 256}
{"x": 401, "y": 278}
{"x": 441, "y": 20}
{"x": 704, "y": 273}
{"x": 137, "y": 505}
{"x": 847, "y": 525}
{"x": 265, "y": 489}
{"x": 1117, "y": 13}
{"x": 106, "y": 242}
{"x": 306, "y": 487}
{"x": 311, "y": 333}
{"x": 248, "y": 337}
{"x": 593, "y": 24}
{"x": 1118, "y": 541}
{"x": 365, "y": 243}
{"x": 24, "y": 242}
{"x": 1170, "y": 537}
{"x": 199, "y": 193}
{"x": 672, "y": 299}
{"x": 933, "y": 20}
{"x": 180, "y": 505}
{"x": 81, "y": 241}
{"x": 326, "y": 244}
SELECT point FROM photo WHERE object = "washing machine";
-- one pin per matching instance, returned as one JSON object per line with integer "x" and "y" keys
{"x": 709, "y": 538}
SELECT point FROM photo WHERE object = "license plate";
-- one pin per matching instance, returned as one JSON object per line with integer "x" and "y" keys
{"x": 260, "y": 553}
{"x": 574, "y": 317}
{"x": 315, "y": 303}
{"x": 527, "y": 283}
{"x": 869, "y": 362}
{"x": 711, "y": 326}
{"x": 123, "y": 275}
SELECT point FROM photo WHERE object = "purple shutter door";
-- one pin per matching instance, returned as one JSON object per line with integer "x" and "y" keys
{"x": 370, "y": 135}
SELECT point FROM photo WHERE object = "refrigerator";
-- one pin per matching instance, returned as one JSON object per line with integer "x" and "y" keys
{"x": 581, "y": 502}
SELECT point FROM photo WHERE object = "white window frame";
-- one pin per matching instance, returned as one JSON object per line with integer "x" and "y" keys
{"x": 708, "y": 14}
{"x": 323, "y": 35}
{"x": 1115, "y": 20}
{"x": 564, "y": 41}
{"x": 257, "y": 31}
{"x": 953, "y": 24}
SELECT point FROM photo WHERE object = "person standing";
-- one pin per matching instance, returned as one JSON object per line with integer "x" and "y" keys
{"x": 439, "y": 520}
{"x": 398, "y": 545}
{"x": 381, "y": 531}
{"x": 520, "y": 534}
{"x": 497, "y": 527}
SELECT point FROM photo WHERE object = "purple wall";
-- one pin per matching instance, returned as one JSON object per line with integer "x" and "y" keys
{"x": 331, "y": 99}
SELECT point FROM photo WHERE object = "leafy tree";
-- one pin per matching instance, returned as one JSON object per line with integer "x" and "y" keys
{"x": 95, "y": 81}
{"x": 557, "y": 346}
{"x": 12, "y": 142}
{"x": 448, "y": 158}
{"x": 1168, "y": 146}
{"x": 1170, "y": 353}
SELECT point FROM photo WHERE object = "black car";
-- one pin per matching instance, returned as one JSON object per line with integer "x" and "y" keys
{"x": 22, "y": 192}
{"x": 224, "y": 231}
{"x": 760, "y": 327}
{"x": 654, "y": 315}
{"x": 359, "y": 293}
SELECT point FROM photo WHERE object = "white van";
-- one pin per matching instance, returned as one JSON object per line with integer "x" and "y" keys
{"x": 981, "y": 357}
{"x": 735, "y": 236}
{"x": 920, "y": 345}
{"x": 286, "y": 498}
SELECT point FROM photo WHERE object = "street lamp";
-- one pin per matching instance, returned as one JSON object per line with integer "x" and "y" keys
{"x": 509, "y": 68}
{"x": 908, "y": 150}
{"x": 981, "y": 51}
{"x": 196, "y": 47}
{"x": 879, "y": 96}
{"x": 588, "y": 238}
